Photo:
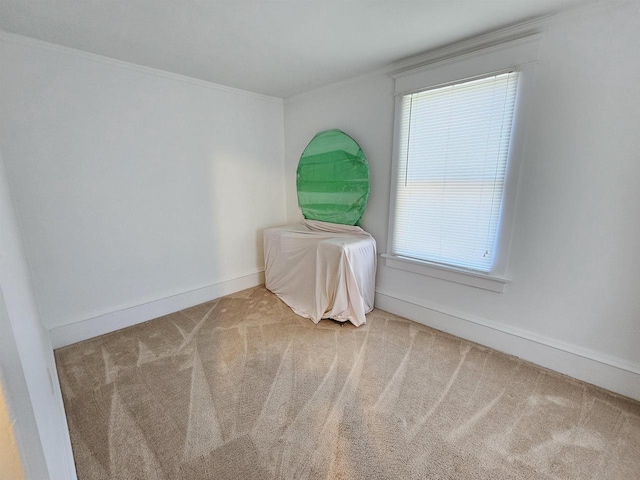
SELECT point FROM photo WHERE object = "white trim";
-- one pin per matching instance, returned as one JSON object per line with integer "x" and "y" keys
{"x": 461, "y": 47}
{"x": 82, "y": 316}
{"x": 395, "y": 161}
{"x": 65, "y": 451}
{"x": 495, "y": 37}
{"x": 99, "y": 325}
{"x": 94, "y": 57}
{"x": 445, "y": 272}
{"x": 469, "y": 47}
{"x": 475, "y": 44}
{"x": 495, "y": 58}
{"x": 615, "y": 374}
{"x": 464, "y": 46}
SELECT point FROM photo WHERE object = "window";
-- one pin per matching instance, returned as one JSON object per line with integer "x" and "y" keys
{"x": 453, "y": 147}
{"x": 458, "y": 146}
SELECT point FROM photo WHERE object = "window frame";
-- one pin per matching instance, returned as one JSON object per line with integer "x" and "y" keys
{"x": 521, "y": 55}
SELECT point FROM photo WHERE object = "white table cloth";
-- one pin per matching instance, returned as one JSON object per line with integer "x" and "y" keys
{"x": 322, "y": 270}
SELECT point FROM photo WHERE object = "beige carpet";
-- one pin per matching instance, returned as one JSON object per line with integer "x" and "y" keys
{"x": 242, "y": 388}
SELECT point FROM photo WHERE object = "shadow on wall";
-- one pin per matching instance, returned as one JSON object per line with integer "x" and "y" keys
{"x": 243, "y": 192}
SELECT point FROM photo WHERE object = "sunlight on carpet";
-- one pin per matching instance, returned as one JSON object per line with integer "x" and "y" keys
{"x": 242, "y": 388}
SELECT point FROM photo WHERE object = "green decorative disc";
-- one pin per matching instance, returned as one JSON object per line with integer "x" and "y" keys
{"x": 333, "y": 179}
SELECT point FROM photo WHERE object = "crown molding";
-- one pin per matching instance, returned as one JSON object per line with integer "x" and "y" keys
{"x": 94, "y": 57}
{"x": 519, "y": 32}
{"x": 529, "y": 42}
{"x": 512, "y": 33}
{"x": 335, "y": 86}
{"x": 490, "y": 41}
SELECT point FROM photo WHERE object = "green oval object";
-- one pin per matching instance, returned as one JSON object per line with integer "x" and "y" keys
{"x": 333, "y": 179}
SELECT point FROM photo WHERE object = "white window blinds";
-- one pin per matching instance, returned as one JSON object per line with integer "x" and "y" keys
{"x": 454, "y": 146}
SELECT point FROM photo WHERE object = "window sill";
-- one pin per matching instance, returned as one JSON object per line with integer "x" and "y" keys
{"x": 450, "y": 274}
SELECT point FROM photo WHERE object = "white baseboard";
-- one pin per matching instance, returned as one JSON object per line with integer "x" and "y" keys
{"x": 611, "y": 373}
{"x": 66, "y": 467}
{"x": 64, "y": 335}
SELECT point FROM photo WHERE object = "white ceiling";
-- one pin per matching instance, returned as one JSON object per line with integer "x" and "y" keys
{"x": 278, "y": 48}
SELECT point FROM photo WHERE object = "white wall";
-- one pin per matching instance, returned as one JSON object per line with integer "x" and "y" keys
{"x": 27, "y": 367}
{"x": 132, "y": 185}
{"x": 576, "y": 233}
